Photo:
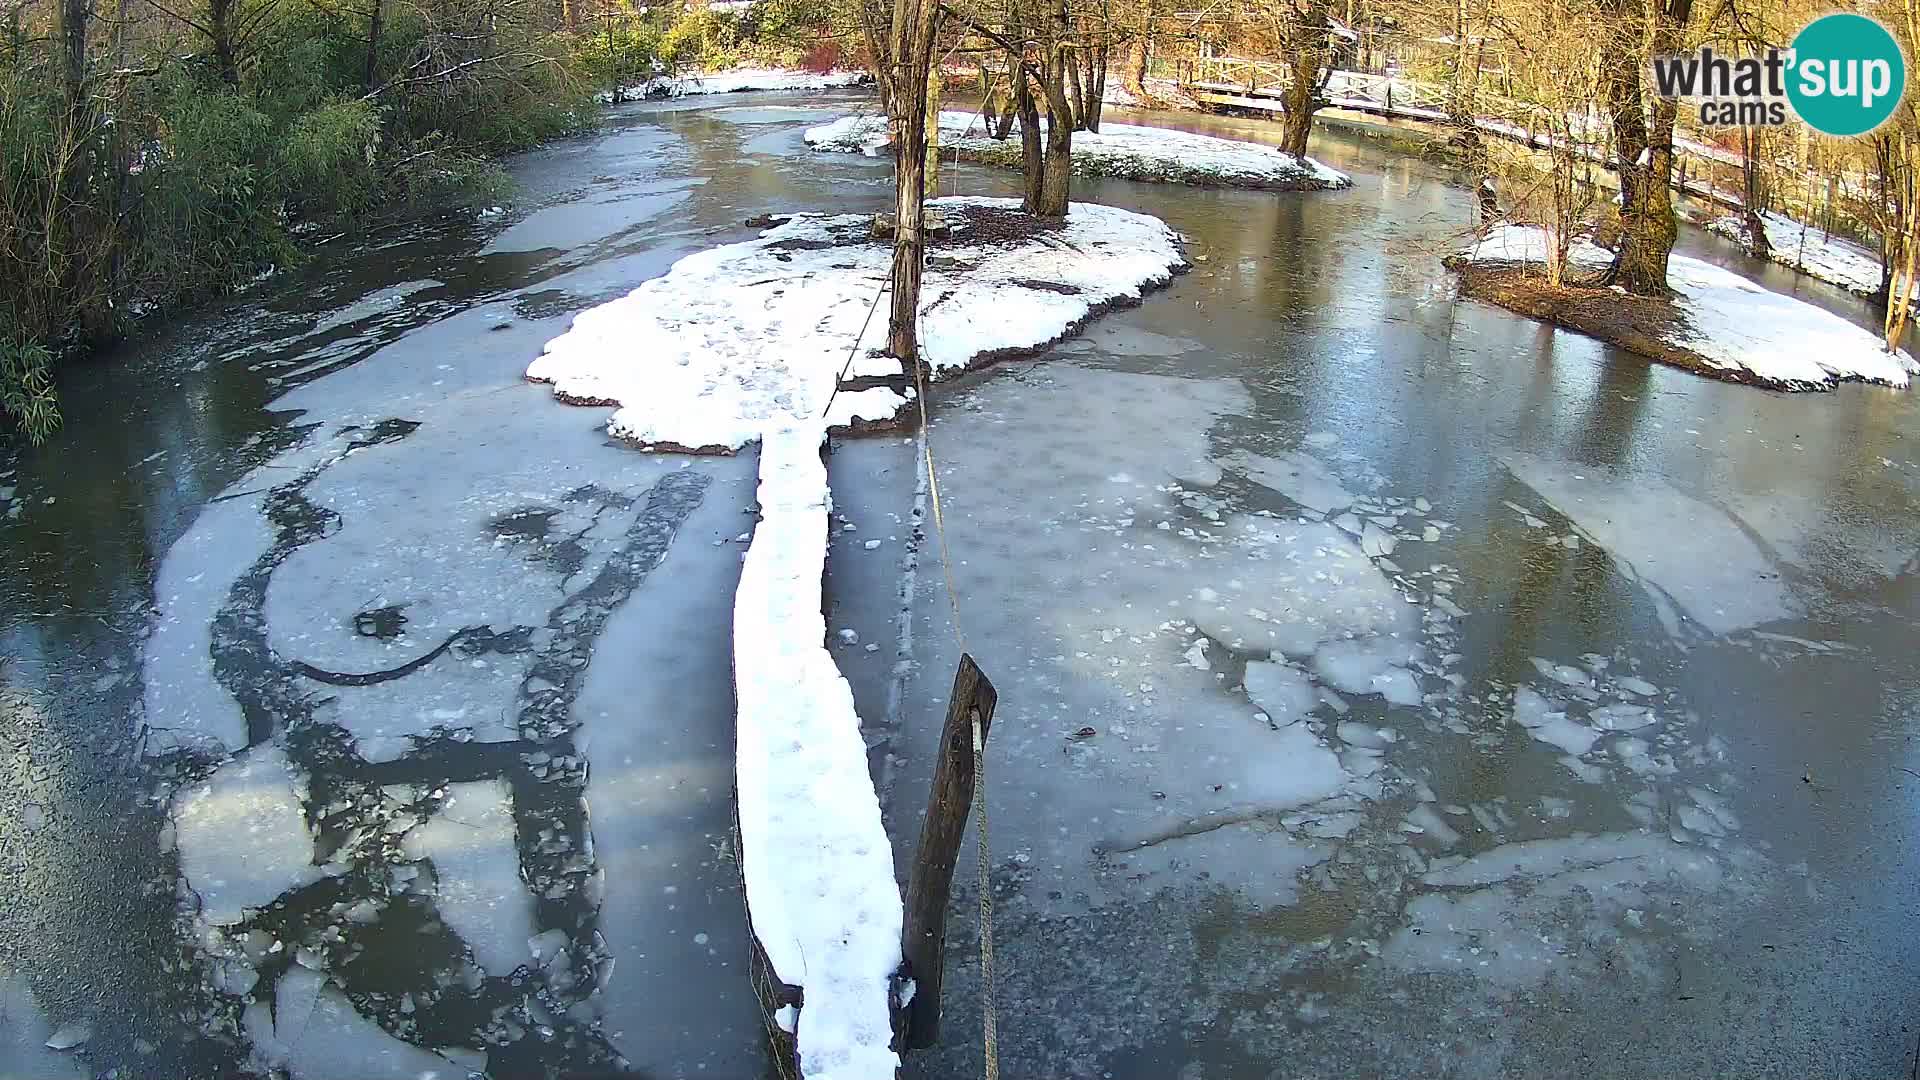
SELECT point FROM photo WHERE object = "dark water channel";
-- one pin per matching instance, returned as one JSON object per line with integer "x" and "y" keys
{"x": 367, "y": 712}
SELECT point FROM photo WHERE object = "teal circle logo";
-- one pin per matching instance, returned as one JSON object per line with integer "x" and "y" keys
{"x": 1847, "y": 74}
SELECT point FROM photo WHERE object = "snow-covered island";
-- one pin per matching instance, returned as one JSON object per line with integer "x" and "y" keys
{"x": 1716, "y": 323}
{"x": 1125, "y": 151}
{"x": 749, "y": 342}
{"x": 742, "y": 337}
{"x": 1815, "y": 253}
{"x": 732, "y": 81}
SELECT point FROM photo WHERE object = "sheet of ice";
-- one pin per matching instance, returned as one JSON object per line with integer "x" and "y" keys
{"x": 480, "y": 895}
{"x": 657, "y": 726}
{"x": 1503, "y": 917}
{"x": 1173, "y": 759}
{"x": 1810, "y": 250}
{"x": 1371, "y": 665}
{"x": 242, "y": 834}
{"x": 1295, "y": 585}
{"x": 1710, "y": 568}
{"x": 314, "y": 1033}
{"x": 1127, "y": 151}
{"x": 1621, "y": 717}
{"x": 1281, "y": 690}
{"x": 753, "y": 335}
{"x": 1432, "y": 825}
{"x": 184, "y": 704}
{"x": 1299, "y": 476}
{"x": 1733, "y": 323}
{"x": 816, "y": 860}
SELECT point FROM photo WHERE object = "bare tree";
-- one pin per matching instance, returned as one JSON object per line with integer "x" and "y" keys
{"x": 900, "y": 40}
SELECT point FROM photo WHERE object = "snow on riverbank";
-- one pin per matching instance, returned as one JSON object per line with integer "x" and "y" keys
{"x": 1814, "y": 253}
{"x": 1729, "y": 323}
{"x": 814, "y": 855}
{"x": 751, "y": 336}
{"x": 734, "y": 81}
{"x": 1126, "y": 151}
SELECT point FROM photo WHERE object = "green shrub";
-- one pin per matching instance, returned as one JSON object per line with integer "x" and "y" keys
{"x": 26, "y": 387}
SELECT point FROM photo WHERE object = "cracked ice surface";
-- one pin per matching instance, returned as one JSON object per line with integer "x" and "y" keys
{"x": 314, "y": 1033}
{"x": 1179, "y": 762}
{"x": 1711, "y": 569}
{"x": 481, "y": 896}
{"x": 1502, "y": 916}
{"x": 243, "y": 835}
{"x": 752, "y": 335}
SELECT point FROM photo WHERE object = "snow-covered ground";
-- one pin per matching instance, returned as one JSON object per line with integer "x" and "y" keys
{"x": 733, "y": 81}
{"x": 1126, "y": 151}
{"x": 1811, "y": 251}
{"x": 1732, "y": 323}
{"x": 748, "y": 337}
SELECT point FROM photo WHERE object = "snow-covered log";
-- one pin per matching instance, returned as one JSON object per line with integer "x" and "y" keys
{"x": 818, "y": 869}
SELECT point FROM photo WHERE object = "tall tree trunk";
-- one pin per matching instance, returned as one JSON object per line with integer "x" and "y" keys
{"x": 220, "y": 24}
{"x": 934, "y": 86}
{"x": 1096, "y": 79}
{"x": 376, "y": 20}
{"x": 1306, "y": 46}
{"x": 909, "y": 239}
{"x": 1753, "y": 197}
{"x": 1057, "y": 172}
{"x": 1076, "y": 91}
{"x": 1648, "y": 231}
{"x": 74, "y": 16}
{"x": 909, "y": 61}
{"x": 1032, "y": 162}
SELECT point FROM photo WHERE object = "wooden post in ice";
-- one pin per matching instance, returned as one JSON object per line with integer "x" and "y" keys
{"x": 924, "y": 932}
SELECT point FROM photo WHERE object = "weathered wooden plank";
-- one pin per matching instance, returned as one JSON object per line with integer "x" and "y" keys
{"x": 924, "y": 933}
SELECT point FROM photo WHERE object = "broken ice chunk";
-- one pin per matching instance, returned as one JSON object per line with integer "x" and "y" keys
{"x": 1281, "y": 690}
{"x": 1621, "y": 717}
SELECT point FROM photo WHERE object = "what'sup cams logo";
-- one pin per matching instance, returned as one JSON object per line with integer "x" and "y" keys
{"x": 1844, "y": 74}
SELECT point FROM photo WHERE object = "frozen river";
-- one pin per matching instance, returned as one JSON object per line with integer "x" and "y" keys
{"x": 1389, "y": 685}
